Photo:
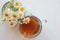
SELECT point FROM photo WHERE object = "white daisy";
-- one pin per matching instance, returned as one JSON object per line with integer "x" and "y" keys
{"x": 14, "y": 15}
{"x": 21, "y": 15}
{"x": 26, "y": 20}
{"x": 21, "y": 9}
{"x": 16, "y": 4}
{"x": 12, "y": 23}
{"x": 6, "y": 13}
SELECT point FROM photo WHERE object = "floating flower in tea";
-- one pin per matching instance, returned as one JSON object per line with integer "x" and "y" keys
{"x": 26, "y": 20}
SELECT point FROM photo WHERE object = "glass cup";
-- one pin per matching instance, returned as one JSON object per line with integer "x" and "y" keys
{"x": 31, "y": 29}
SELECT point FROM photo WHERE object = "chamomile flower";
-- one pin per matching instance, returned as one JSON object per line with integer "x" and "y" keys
{"x": 11, "y": 23}
{"x": 26, "y": 20}
{"x": 21, "y": 15}
{"x": 16, "y": 4}
{"x": 6, "y": 14}
{"x": 22, "y": 9}
{"x": 14, "y": 15}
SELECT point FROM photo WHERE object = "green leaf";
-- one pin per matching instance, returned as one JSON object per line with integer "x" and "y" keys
{"x": 11, "y": 5}
{"x": 19, "y": 20}
{"x": 14, "y": 9}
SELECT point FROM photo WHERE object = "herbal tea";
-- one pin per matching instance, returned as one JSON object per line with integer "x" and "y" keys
{"x": 31, "y": 28}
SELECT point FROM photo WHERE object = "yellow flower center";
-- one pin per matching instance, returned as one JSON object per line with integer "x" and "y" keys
{"x": 16, "y": 3}
{"x": 11, "y": 23}
{"x": 20, "y": 14}
{"x": 21, "y": 8}
{"x": 6, "y": 14}
{"x": 26, "y": 21}
{"x": 14, "y": 15}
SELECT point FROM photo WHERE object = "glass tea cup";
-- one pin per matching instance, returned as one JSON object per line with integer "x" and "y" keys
{"x": 31, "y": 29}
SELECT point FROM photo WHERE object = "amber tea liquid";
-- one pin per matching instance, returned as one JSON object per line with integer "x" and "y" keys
{"x": 31, "y": 28}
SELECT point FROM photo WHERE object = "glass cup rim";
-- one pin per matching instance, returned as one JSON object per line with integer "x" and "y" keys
{"x": 38, "y": 32}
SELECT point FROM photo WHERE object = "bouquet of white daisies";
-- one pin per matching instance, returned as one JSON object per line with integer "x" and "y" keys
{"x": 14, "y": 12}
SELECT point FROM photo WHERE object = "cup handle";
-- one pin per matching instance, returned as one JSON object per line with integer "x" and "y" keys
{"x": 44, "y": 21}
